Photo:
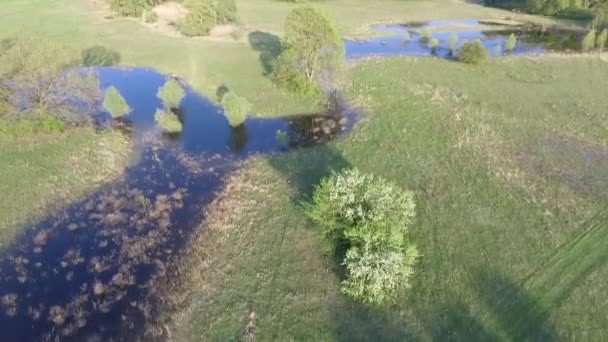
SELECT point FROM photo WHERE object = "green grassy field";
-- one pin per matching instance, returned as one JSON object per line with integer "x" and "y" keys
{"x": 507, "y": 160}
{"x": 510, "y": 234}
{"x": 41, "y": 172}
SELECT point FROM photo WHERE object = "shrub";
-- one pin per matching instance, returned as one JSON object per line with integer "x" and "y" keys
{"x": 50, "y": 124}
{"x": 235, "y": 108}
{"x": 375, "y": 276}
{"x": 130, "y": 8}
{"x": 114, "y": 103}
{"x": 100, "y": 56}
{"x": 473, "y": 52}
{"x": 150, "y": 16}
{"x": 406, "y": 36}
{"x": 226, "y": 11}
{"x": 588, "y": 42}
{"x": 602, "y": 39}
{"x": 433, "y": 43}
{"x": 201, "y": 18}
{"x": 168, "y": 121}
{"x": 453, "y": 42}
{"x": 312, "y": 51}
{"x": 171, "y": 94}
{"x": 511, "y": 42}
{"x": 369, "y": 218}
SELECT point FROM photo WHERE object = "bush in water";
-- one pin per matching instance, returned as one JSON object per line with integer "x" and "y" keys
{"x": 131, "y": 8}
{"x": 171, "y": 94}
{"x": 312, "y": 52}
{"x": 114, "y": 103}
{"x": 588, "y": 42}
{"x": 602, "y": 39}
{"x": 406, "y": 36}
{"x": 511, "y": 42}
{"x": 425, "y": 33}
{"x": 235, "y": 108}
{"x": 227, "y": 12}
{"x": 472, "y": 52}
{"x": 36, "y": 69}
{"x": 453, "y": 42}
{"x": 370, "y": 218}
{"x": 201, "y": 18}
{"x": 433, "y": 43}
{"x": 168, "y": 121}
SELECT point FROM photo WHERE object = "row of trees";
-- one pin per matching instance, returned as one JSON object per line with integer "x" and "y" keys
{"x": 595, "y": 10}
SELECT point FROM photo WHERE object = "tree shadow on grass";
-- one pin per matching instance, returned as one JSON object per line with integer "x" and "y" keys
{"x": 521, "y": 316}
{"x": 99, "y": 55}
{"x": 269, "y": 46}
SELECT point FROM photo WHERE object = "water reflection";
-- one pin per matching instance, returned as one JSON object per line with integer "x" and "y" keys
{"x": 86, "y": 272}
{"x": 411, "y": 40}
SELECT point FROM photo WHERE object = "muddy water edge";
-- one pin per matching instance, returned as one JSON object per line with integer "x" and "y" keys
{"x": 88, "y": 271}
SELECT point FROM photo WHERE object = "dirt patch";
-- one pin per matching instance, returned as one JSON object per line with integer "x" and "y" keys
{"x": 580, "y": 166}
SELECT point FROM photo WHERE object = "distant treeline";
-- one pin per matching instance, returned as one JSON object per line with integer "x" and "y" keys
{"x": 596, "y": 11}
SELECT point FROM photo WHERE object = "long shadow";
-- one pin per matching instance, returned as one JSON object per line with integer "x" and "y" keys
{"x": 86, "y": 271}
{"x": 269, "y": 46}
{"x": 521, "y": 316}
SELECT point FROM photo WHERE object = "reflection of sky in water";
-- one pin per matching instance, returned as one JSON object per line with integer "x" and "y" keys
{"x": 396, "y": 45}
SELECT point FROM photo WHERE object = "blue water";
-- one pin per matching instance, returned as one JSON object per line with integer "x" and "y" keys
{"x": 393, "y": 43}
{"x": 134, "y": 227}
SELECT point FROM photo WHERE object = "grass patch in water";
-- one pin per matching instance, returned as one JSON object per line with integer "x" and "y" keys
{"x": 168, "y": 121}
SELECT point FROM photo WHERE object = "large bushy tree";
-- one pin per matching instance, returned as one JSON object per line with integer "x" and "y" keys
{"x": 39, "y": 75}
{"x": 312, "y": 51}
{"x": 367, "y": 218}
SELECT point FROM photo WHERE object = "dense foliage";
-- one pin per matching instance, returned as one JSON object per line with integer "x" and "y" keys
{"x": 596, "y": 10}
{"x": 472, "y": 52}
{"x": 367, "y": 217}
{"x": 114, "y": 103}
{"x": 171, "y": 94}
{"x": 150, "y": 16}
{"x": 312, "y": 52}
{"x": 33, "y": 78}
{"x": 226, "y": 11}
{"x": 588, "y": 42}
{"x": 235, "y": 108}
{"x": 131, "y": 8}
{"x": 201, "y": 18}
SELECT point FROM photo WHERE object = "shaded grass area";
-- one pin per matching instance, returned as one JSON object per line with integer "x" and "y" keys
{"x": 507, "y": 253}
{"x": 40, "y": 172}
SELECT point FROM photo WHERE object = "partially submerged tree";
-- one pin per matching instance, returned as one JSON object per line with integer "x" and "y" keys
{"x": 115, "y": 104}
{"x": 171, "y": 94}
{"x": 38, "y": 75}
{"x": 168, "y": 120}
{"x": 235, "y": 108}
{"x": 511, "y": 42}
{"x": 453, "y": 42}
{"x": 312, "y": 51}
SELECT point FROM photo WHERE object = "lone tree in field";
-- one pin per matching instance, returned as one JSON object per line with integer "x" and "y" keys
{"x": 312, "y": 51}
